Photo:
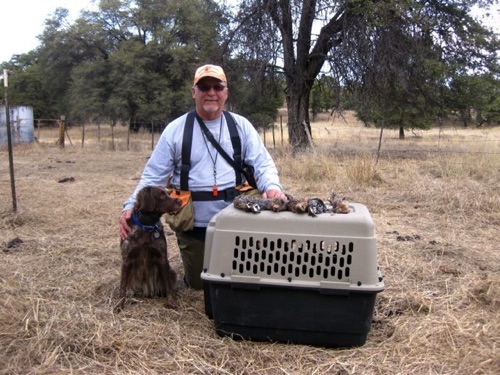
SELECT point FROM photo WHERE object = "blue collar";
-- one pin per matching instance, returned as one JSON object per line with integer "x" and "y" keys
{"x": 147, "y": 228}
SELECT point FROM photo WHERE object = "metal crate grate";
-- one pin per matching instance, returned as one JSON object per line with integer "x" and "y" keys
{"x": 278, "y": 257}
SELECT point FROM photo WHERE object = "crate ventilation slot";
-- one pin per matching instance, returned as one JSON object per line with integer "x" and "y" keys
{"x": 325, "y": 260}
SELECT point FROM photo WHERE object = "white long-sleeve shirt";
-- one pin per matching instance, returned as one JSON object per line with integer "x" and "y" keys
{"x": 166, "y": 160}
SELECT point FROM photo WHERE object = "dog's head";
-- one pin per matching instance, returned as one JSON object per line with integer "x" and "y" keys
{"x": 155, "y": 200}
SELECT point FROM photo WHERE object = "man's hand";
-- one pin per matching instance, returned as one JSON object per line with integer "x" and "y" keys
{"x": 124, "y": 228}
{"x": 273, "y": 193}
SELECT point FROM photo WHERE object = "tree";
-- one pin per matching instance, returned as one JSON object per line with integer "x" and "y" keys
{"x": 258, "y": 98}
{"x": 154, "y": 48}
{"x": 477, "y": 94}
{"x": 135, "y": 58}
{"x": 400, "y": 88}
{"x": 26, "y": 87}
{"x": 129, "y": 60}
{"x": 346, "y": 34}
{"x": 64, "y": 47}
{"x": 322, "y": 97}
{"x": 406, "y": 90}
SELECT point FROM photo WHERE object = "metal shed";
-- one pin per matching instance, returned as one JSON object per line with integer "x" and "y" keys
{"x": 21, "y": 124}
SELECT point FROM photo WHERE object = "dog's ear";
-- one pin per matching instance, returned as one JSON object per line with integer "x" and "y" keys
{"x": 145, "y": 199}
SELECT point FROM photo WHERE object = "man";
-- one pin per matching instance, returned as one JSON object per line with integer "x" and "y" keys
{"x": 209, "y": 172}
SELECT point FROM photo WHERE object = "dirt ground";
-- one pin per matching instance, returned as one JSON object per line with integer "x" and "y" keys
{"x": 437, "y": 218}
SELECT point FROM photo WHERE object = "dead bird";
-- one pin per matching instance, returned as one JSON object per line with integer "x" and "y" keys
{"x": 256, "y": 205}
{"x": 315, "y": 206}
{"x": 244, "y": 203}
{"x": 298, "y": 206}
{"x": 339, "y": 204}
{"x": 275, "y": 204}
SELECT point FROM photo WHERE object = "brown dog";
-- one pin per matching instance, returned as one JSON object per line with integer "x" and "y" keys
{"x": 145, "y": 267}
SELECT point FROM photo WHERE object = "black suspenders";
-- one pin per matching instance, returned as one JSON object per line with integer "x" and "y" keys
{"x": 186, "y": 148}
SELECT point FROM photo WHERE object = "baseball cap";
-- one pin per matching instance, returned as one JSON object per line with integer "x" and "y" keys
{"x": 208, "y": 70}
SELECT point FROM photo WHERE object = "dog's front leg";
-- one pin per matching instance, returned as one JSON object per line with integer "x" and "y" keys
{"x": 171, "y": 279}
{"x": 123, "y": 289}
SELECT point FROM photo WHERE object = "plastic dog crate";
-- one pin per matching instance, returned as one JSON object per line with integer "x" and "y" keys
{"x": 292, "y": 278}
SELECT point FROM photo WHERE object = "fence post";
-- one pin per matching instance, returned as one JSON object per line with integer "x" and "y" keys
{"x": 9, "y": 141}
{"x": 83, "y": 134}
{"x": 61, "y": 131}
{"x": 113, "y": 135}
{"x": 128, "y": 135}
{"x": 379, "y": 144}
{"x": 281, "y": 127}
{"x": 274, "y": 138}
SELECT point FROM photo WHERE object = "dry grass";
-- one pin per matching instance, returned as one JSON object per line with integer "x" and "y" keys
{"x": 439, "y": 313}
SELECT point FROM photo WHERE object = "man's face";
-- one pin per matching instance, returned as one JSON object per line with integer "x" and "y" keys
{"x": 210, "y": 94}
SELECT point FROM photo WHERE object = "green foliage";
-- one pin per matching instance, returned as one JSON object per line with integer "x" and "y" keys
{"x": 412, "y": 51}
{"x": 491, "y": 110}
{"x": 474, "y": 93}
{"x": 26, "y": 85}
{"x": 323, "y": 95}
{"x": 399, "y": 63}
{"x": 256, "y": 96}
{"x": 129, "y": 60}
{"x": 90, "y": 91}
{"x": 258, "y": 103}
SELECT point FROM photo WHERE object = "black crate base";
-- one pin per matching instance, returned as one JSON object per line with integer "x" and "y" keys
{"x": 290, "y": 315}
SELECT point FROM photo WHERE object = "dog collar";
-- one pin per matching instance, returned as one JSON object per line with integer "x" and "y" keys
{"x": 147, "y": 228}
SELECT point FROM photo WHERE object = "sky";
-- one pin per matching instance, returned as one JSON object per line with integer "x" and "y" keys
{"x": 23, "y": 20}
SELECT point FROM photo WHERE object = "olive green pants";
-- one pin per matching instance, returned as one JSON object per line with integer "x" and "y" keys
{"x": 192, "y": 249}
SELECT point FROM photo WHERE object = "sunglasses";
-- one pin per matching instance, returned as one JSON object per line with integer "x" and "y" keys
{"x": 218, "y": 87}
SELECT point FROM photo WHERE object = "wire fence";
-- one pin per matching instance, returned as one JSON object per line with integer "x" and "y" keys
{"x": 326, "y": 138}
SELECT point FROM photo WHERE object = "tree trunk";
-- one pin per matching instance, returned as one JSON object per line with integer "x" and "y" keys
{"x": 298, "y": 115}
{"x": 401, "y": 132}
{"x": 302, "y": 62}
